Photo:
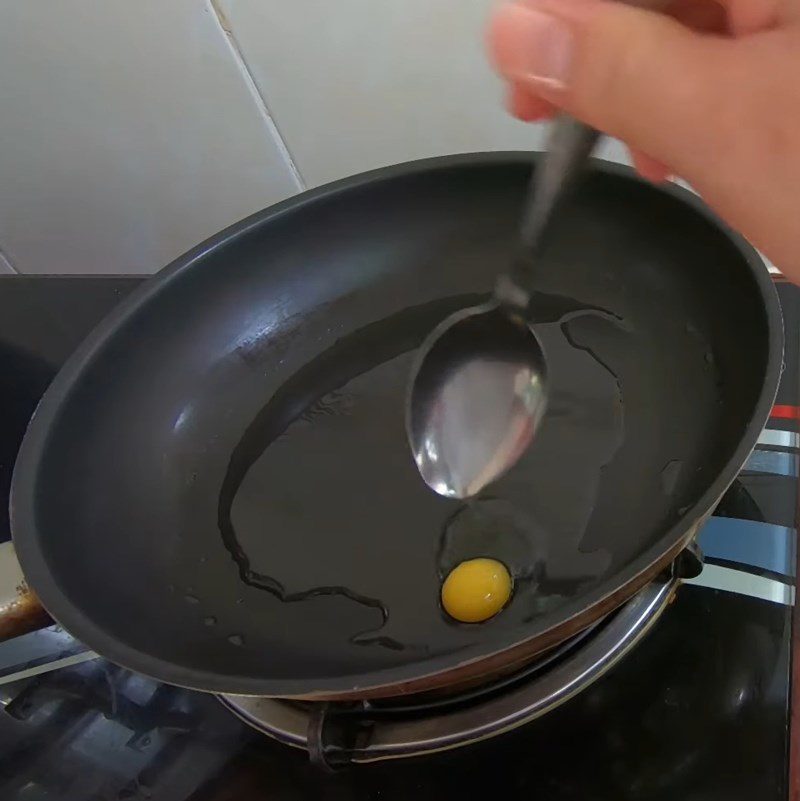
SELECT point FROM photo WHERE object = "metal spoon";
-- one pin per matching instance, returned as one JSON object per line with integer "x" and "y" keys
{"x": 479, "y": 382}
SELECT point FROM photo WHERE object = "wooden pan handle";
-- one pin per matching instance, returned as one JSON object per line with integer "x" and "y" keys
{"x": 20, "y": 609}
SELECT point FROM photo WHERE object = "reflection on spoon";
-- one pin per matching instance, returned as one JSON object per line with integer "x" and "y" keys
{"x": 478, "y": 392}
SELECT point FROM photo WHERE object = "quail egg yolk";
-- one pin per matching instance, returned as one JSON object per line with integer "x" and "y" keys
{"x": 476, "y": 590}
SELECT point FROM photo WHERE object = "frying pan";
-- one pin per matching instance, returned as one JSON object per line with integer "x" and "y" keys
{"x": 216, "y": 490}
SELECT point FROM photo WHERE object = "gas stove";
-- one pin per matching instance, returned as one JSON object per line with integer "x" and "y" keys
{"x": 683, "y": 693}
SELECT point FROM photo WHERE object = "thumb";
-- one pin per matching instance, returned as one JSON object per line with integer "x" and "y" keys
{"x": 638, "y": 75}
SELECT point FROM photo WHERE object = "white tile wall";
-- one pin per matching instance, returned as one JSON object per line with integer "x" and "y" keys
{"x": 130, "y": 130}
{"x": 128, "y": 134}
{"x": 356, "y": 84}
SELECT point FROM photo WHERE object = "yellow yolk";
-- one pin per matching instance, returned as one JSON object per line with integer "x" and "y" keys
{"x": 476, "y": 590}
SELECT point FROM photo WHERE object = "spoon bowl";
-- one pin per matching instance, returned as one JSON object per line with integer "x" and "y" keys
{"x": 478, "y": 392}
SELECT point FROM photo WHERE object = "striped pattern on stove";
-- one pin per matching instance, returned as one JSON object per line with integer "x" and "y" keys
{"x": 753, "y": 557}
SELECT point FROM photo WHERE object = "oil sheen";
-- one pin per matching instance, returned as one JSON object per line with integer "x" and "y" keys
{"x": 322, "y": 503}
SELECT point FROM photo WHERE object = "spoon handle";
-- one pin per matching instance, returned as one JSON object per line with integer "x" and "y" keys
{"x": 568, "y": 147}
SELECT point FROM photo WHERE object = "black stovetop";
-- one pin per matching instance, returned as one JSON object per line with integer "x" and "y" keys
{"x": 698, "y": 710}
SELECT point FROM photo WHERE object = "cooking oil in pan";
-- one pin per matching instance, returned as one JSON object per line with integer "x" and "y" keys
{"x": 534, "y": 519}
{"x": 322, "y": 499}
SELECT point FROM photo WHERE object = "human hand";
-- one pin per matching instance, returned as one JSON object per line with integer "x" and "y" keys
{"x": 707, "y": 91}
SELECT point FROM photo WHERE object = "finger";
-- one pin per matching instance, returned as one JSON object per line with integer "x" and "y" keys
{"x": 527, "y": 106}
{"x": 650, "y": 168}
{"x": 723, "y": 113}
{"x": 734, "y": 17}
{"x": 637, "y": 75}
{"x": 750, "y": 16}
{"x": 707, "y": 16}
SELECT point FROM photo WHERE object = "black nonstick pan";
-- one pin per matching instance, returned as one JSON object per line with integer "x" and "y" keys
{"x": 216, "y": 490}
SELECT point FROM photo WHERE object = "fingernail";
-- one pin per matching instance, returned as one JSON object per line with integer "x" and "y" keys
{"x": 533, "y": 45}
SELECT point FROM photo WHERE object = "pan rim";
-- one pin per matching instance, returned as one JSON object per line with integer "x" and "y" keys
{"x": 22, "y": 505}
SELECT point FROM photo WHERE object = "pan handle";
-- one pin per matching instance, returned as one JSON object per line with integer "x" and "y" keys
{"x": 20, "y": 610}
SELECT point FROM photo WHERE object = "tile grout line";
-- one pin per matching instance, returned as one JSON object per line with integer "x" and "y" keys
{"x": 261, "y": 101}
{"x": 4, "y": 260}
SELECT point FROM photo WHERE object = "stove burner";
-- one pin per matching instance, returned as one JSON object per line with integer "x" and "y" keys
{"x": 367, "y": 731}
